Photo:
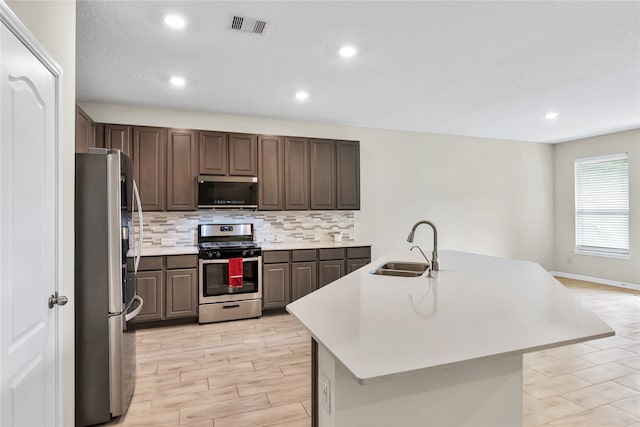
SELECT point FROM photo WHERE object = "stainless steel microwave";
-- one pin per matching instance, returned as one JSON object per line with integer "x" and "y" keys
{"x": 229, "y": 192}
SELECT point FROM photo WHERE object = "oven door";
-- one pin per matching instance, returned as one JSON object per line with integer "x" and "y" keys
{"x": 214, "y": 286}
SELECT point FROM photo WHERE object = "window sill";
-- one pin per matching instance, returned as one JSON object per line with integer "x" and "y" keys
{"x": 601, "y": 254}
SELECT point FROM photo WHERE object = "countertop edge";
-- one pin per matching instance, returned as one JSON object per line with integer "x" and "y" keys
{"x": 280, "y": 246}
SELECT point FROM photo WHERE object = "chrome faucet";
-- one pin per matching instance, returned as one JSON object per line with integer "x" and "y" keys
{"x": 425, "y": 257}
{"x": 435, "y": 264}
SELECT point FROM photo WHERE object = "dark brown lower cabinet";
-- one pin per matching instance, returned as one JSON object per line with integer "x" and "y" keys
{"x": 150, "y": 287}
{"x": 169, "y": 287}
{"x": 304, "y": 279}
{"x": 330, "y": 271}
{"x": 182, "y": 293}
{"x": 354, "y": 264}
{"x": 276, "y": 288}
{"x": 358, "y": 257}
{"x": 289, "y": 275}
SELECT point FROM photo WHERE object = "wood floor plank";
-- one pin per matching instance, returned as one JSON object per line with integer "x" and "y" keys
{"x": 222, "y": 409}
{"x": 289, "y": 395}
{"x": 272, "y": 384}
{"x": 264, "y": 417}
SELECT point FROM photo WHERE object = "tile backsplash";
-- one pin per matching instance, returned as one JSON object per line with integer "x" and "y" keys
{"x": 180, "y": 228}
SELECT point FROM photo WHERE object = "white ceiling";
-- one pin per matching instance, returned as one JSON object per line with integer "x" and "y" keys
{"x": 489, "y": 69}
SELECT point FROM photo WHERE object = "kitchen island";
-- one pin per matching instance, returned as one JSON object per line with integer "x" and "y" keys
{"x": 445, "y": 350}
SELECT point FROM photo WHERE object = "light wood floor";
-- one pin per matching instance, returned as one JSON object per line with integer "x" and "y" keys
{"x": 257, "y": 372}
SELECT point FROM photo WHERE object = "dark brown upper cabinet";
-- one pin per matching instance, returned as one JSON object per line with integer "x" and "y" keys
{"x": 348, "y": 175}
{"x": 243, "y": 155}
{"x": 181, "y": 170}
{"x": 85, "y": 131}
{"x": 119, "y": 137}
{"x": 228, "y": 154}
{"x": 213, "y": 153}
{"x": 322, "y": 166}
{"x": 149, "y": 167}
{"x": 296, "y": 173}
{"x": 270, "y": 173}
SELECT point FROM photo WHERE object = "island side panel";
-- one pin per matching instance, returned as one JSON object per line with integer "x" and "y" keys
{"x": 314, "y": 383}
{"x": 484, "y": 392}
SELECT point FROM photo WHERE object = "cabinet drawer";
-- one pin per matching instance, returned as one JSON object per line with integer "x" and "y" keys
{"x": 182, "y": 261}
{"x": 361, "y": 252}
{"x": 333, "y": 253}
{"x": 149, "y": 263}
{"x": 272, "y": 257}
{"x": 303, "y": 255}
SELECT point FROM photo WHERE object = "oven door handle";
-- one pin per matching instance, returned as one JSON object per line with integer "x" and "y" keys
{"x": 226, "y": 260}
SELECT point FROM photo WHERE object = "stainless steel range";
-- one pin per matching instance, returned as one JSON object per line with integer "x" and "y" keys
{"x": 220, "y": 297}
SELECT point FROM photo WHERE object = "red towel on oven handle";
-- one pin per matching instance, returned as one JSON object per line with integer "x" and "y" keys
{"x": 235, "y": 272}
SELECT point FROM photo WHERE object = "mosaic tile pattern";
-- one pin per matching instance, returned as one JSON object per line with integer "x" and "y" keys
{"x": 180, "y": 228}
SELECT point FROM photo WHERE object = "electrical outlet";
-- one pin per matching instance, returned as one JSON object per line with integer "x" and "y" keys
{"x": 325, "y": 392}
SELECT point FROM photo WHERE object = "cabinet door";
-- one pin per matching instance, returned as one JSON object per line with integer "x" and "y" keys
{"x": 304, "y": 279}
{"x": 270, "y": 173}
{"x": 92, "y": 134}
{"x": 243, "y": 155}
{"x": 149, "y": 147}
{"x": 213, "y": 153}
{"x": 150, "y": 286}
{"x": 181, "y": 170}
{"x": 348, "y": 175}
{"x": 182, "y": 293}
{"x": 322, "y": 173}
{"x": 354, "y": 264}
{"x": 296, "y": 173}
{"x": 276, "y": 288}
{"x": 82, "y": 131}
{"x": 99, "y": 138}
{"x": 118, "y": 137}
{"x": 329, "y": 271}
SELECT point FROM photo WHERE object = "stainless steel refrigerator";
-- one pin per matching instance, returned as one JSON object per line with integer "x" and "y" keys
{"x": 106, "y": 302}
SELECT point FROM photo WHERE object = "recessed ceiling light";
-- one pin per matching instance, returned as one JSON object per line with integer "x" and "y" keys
{"x": 178, "y": 81}
{"x": 174, "y": 21}
{"x": 347, "y": 51}
{"x": 302, "y": 95}
{"x": 550, "y": 115}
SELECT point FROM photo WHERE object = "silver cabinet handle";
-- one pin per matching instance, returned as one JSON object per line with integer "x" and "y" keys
{"x": 57, "y": 299}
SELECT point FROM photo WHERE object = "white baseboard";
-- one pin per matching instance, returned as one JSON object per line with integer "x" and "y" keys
{"x": 597, "y": 280}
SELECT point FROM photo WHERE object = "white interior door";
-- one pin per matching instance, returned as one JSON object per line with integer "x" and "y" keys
{"x": 28, "y": 224}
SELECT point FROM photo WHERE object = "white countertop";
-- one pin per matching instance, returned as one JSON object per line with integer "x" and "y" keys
{"x": 271, "y": 246}
{"x": 477, "y": 306}
{"x": 170, "y": 250}
{"x": 282, "y": 246}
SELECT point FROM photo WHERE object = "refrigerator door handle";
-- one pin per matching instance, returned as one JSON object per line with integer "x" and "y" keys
{"x": 141, "y": 230}
{"x": 137, "y": 311}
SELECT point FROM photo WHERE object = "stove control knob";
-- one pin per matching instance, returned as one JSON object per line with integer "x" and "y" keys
{"x": 209, "y": 254}
{"x": 217, "y": 254}
{"x": 251, "y": 253}
{"x": 244, "y": 253}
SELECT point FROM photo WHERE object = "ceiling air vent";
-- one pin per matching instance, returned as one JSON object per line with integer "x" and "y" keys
{"x": 248, "y": 25}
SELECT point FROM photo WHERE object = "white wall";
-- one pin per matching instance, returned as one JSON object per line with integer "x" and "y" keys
{"x": 565, "y": 154}
{"x": 485, "y": 195}
{"x": 53, "y": 23}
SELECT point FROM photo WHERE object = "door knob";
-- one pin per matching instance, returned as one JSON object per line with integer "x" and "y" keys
{"x": 55, "y": 299}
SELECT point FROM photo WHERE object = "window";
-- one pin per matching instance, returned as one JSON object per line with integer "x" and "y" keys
{"x": 602, "y": 205}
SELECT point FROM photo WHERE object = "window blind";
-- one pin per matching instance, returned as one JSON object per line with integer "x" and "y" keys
{"x": 602, "y": 204}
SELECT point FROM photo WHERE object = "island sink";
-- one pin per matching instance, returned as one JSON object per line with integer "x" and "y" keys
{"x": 401, "y": 269}
{"x": 419, "y": 267}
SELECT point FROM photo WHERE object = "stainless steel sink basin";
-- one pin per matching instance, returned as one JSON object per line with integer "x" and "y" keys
{"x": 397, "y": 273}
{"x": 419, "y": 267}
{"x": 401, "y": 269}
